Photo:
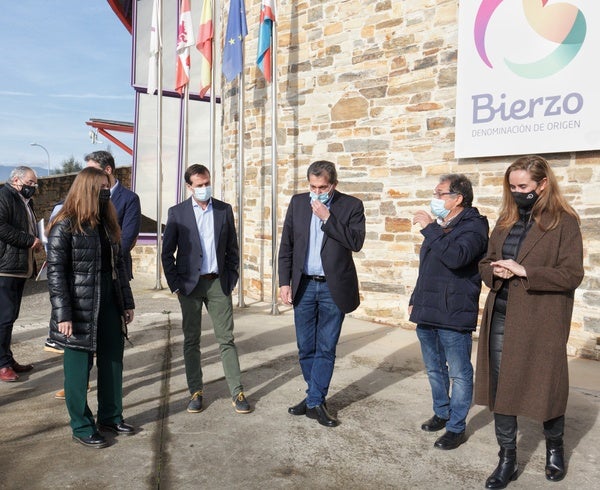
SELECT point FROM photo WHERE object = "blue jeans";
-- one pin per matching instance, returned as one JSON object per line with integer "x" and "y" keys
{"x": 318, "y": 323}
{"x": 447, "y": 356}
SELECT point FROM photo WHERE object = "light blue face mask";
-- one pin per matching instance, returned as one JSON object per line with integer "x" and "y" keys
{"x": 438, "y": 208}
{"x": 321, "y": 197}
{"x": 203, "y": 194}
{"x": 324, "y": 197}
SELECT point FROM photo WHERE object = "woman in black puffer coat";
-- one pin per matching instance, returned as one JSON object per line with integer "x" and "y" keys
{"x": 91, "y": 304}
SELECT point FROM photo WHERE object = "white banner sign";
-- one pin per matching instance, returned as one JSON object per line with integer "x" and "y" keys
{"x": 527, "y": 79}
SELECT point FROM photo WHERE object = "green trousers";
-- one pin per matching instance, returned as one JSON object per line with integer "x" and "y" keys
{"x": 109, "y": 362}
{"x": 220, "y": 309}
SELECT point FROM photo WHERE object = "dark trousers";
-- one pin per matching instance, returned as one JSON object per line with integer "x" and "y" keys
{"x": 11, "y": 293}
{"x": 506, "y": 425}
{"x": 109, "y": 361}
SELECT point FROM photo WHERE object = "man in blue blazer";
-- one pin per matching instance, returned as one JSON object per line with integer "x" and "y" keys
{"x": 126, "y": 202}
{"x": 200, "y": 260}
{"x": 317, "y": 275}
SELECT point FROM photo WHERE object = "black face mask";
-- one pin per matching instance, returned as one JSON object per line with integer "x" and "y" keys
{"x": 27, "y": 191}
{"x": 525, "y": 200}
{"x": 104, "y": 195}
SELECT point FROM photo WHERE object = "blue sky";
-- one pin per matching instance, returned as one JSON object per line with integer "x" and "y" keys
{"x": 62, "y": 62}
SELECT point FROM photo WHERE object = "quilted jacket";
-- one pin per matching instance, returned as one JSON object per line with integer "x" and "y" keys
{"x": 74, "y": 281}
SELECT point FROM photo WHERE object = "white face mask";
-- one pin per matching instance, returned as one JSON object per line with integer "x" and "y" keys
{"x": 203, "y": 194}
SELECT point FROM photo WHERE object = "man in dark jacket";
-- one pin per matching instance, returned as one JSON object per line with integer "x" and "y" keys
{"x": 200, "y": 258}
{"x": 126, "y": 202}
{"x": 317, "y": 275}
{"x": 18, "y": 242}
{"x": 445, "y": 302}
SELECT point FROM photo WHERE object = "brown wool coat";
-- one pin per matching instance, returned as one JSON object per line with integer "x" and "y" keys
{"x": 533, "y": 379}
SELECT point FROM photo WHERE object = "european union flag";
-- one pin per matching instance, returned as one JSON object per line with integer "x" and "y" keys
{"x": 237, "y": 30}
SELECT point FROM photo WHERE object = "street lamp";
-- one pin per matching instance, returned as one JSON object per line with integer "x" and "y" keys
{"x": 47, "y": 154}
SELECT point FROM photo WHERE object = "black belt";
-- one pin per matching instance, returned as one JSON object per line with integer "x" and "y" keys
{"x": 211, "y": 277}
{"x": 315, "y": 278}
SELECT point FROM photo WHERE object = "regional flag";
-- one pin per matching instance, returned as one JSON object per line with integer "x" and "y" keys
{"x": 154, "y": 48}
{"x": 265, "y": 37}
{"x": 204, "y": 45}
{"x": 237, "y": 30}
{"x": 185, "y": 39}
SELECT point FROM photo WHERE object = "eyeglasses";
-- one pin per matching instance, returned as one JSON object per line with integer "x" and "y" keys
{"x": 30, "y": 183}
{"x": 439, "y": 195}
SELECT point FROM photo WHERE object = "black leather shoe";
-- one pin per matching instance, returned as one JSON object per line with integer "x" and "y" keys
{"x": 450, "y": 440}
{"x": 434, "y": 424}
{"x": 299, "y": 409}
{"x": 555, "y": 460}
{"x": 22, "y": 368}
{"x": 120, "y": 428}
{"x": 95, "y": 440}
{"x": 322, "y": 416}
{"x": 506, "y": 471}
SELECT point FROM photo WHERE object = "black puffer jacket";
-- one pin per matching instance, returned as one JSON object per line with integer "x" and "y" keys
{"x": 74, "y": 262}
{"x": 15, "y": 238}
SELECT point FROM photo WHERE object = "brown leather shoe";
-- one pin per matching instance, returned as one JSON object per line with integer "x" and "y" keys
{"x": 22, "y": 368}
{"x": 8, "y": 374}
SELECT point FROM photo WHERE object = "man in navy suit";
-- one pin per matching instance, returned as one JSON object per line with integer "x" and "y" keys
{"x": 126, "y": 202}
{"x": 200, "y": 260}
{"x": 317, "y": 275}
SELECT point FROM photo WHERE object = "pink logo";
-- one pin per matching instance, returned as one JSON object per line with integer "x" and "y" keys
{"x": 560, "y": 23}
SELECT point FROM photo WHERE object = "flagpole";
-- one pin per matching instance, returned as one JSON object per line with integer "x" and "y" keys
{"x": 213, "y": 104}
{"x": 159, "y": 135}
{"x": 185, "y": 39}
{"x": 274, "y": 173}
{"x": 184, "y": 141}
{"x": 241, "y": 303}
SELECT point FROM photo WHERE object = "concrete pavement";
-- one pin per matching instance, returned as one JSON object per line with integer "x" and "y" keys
{"x": 379, "y": 392}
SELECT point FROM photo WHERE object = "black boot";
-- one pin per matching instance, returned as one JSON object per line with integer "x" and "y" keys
{"x": 506, "y": 471}
{"x": 555, "y": 460}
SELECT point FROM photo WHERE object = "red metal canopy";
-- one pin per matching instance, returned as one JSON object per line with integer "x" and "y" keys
{"x": 123, "y": 9}
{"x": 103, "y": 126}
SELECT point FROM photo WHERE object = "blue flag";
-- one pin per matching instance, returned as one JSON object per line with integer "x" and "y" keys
{"x": 237, "y": 30}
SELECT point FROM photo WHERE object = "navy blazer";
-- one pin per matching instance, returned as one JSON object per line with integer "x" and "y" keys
{"x": 182, "y": 253}
{"x": 129, "y": 216}
{"x": 344, "y": 234}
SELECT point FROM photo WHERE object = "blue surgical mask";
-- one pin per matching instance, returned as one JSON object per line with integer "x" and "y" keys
{"x": 324, "y": 197}
{"x": 438, "y": 208}
{"x": 203, "y": 194}
{"x": 321, "y": 197}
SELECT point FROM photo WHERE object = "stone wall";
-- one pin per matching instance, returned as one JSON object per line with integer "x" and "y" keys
{"x": 370, "y": 85}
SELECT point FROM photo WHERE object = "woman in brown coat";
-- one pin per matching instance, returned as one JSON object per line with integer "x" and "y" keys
{"x": 533, "y": 265}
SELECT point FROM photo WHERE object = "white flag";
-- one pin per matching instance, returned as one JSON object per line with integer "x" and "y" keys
{"x": 154, "y": 48}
